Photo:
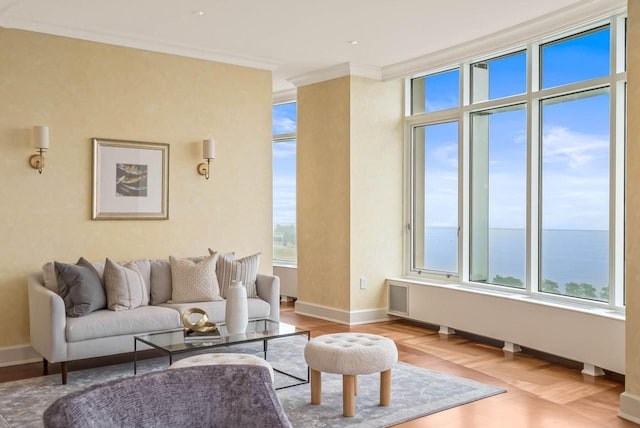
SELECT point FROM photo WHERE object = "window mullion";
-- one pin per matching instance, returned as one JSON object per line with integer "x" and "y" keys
{"x": 534, "y": 195}
{"x": 617, "y": 185}
{"x": 465, "y": 196}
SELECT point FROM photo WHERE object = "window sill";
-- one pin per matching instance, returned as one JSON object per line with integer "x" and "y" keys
{"x": 285, "y": 264}
{"x": 550, "y": 301}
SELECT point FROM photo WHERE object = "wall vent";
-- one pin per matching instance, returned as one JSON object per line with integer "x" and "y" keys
{"x": 398, "y": 299}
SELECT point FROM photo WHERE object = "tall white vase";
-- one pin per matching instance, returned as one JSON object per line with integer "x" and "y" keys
{"x": 236, "y": 316}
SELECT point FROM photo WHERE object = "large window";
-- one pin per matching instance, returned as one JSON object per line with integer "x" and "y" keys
{"x": 518, "y": 183}
{"x": 284, "y": 183}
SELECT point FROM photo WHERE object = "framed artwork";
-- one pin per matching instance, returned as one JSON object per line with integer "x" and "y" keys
{"x": 130, "y": 180}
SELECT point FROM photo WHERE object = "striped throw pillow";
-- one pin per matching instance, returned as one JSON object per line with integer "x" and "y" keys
{"x": 245, "y": 270}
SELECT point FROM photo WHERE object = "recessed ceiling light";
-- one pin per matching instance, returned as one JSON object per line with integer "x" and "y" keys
{"x": 198, "y": 12}
{"x": 353, "y": 42}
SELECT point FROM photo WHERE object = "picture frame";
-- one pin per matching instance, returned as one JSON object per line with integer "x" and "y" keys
{"x": 130, "y": 180}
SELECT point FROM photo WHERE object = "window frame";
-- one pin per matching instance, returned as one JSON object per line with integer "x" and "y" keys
{"x": 615, "y": 81}
{"x": 276, "y": 139}
{"x": 442, "y": 119}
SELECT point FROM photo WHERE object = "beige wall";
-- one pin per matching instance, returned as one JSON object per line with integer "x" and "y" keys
{"x": 376, "y": 188}
{"x": 83, "y": 90}
{"x": 323, "y": 194}
{"x": 349, "y": 194}
{"x": 632, "y": 238}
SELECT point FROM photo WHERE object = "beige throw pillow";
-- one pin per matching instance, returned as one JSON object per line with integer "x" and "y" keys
{"x": 194, "y": 282}
{"x": 50, "y": 277}
{"x": 125, "y": 286}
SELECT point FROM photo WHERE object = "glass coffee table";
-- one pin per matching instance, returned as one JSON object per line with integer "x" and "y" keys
{"x": 173, "y": 342}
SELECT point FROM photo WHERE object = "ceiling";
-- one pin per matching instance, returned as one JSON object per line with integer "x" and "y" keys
{"x": 292, "y": 38}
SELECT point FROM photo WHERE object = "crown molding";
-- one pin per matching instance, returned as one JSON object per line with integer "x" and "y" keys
{"x": 503, "y": 41}
{"x": 135, "y": 42}
{"x": 336, "y": 71}
{"x": 285, "y": 96}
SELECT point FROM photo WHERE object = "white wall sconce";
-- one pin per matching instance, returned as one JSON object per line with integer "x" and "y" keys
{"x": 41, "y": 144}
{"x": 208, "y": 153}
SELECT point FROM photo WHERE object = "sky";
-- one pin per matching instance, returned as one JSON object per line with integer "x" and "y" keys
{"x": 284, "y": 165}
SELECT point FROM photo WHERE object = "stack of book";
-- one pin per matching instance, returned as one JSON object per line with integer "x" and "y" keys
{"x": 198, "y": 336}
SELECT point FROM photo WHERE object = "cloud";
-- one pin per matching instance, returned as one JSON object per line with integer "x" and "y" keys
{"x": 284, "y": 182}
{"x": 561, "y": 145}
{"x": 283, "y": 125}
{"x": 443, "y": 103}
{"x": 575, "y": 202}
{"x": 520, "y": 137}
{"x": 447, "y": 155}
{"x": 285, "y": 150}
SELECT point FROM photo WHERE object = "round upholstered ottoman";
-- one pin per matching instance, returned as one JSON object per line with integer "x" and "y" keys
{"x": 220, "y": 359}
{"x": 350, "y": 354}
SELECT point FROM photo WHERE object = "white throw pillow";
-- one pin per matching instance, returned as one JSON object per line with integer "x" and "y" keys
{"x": 125, "y": 286}
{"x": 224, "y": 270}
{"x": 194, "y": 282}
{"x": 246, "y": 270}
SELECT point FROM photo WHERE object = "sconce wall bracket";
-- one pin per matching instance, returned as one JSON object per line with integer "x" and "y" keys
{"x": 37, "y": 161}
{"x": 203, "y": 168}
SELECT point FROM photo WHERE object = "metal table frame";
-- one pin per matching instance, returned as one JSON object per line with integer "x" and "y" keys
{"x": 207, "y": 344}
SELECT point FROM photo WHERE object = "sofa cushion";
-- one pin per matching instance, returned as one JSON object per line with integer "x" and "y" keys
{"x": 160, "y": 281}
{"x": 258, "y": 308}
{"x": 126, "y": 288}
{"x": 194, "y": 281}
{"x": 80, "y": 288}
{"x": 105, "y": 323}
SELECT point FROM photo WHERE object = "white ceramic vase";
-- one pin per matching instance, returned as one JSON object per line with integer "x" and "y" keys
{"x": 236, "y": 316}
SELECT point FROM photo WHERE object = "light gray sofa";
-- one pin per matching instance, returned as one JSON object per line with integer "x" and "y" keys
{"x": 59, "y": 338}
{"x": 187, "y": 397}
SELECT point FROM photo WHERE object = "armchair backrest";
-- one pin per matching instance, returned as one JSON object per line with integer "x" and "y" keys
{"x": 205, "y": 396}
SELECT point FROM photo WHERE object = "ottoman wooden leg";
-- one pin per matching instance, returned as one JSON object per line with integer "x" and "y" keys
{"x": 385, "y": 388}
{"x": 355, "y": 385}
{"x": 316, "y": 387}
{"x": 348, "y": 398}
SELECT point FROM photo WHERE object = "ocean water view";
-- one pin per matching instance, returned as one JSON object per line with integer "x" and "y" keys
{"x": 568, "y": 256}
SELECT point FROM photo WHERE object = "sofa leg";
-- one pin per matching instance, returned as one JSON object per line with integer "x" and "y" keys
{"x": 45, "y": 367}
{"x": 63, "y": 372}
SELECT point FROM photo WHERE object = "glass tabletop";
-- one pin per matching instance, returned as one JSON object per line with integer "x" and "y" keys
{"x": 257, "y": 330}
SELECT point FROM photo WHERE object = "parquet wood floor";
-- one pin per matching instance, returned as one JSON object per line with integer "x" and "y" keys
{"x": 540, "y": 394}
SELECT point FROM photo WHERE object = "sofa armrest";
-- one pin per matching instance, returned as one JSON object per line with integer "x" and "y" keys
{"x": 47, "y": 320}
{"x": 268, "y": 287}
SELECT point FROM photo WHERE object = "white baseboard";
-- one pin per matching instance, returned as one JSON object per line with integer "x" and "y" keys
{"x": 15, "y": 355}
{"x": 340, "y": 316}
{"x": 630, "y": 407}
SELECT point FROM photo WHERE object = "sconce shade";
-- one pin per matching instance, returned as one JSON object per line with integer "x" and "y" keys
{"x": 208, "y": 149}
{"x": 41, "y": 137}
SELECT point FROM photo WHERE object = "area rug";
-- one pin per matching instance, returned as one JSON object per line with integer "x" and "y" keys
{"x": 415, "y": 392}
